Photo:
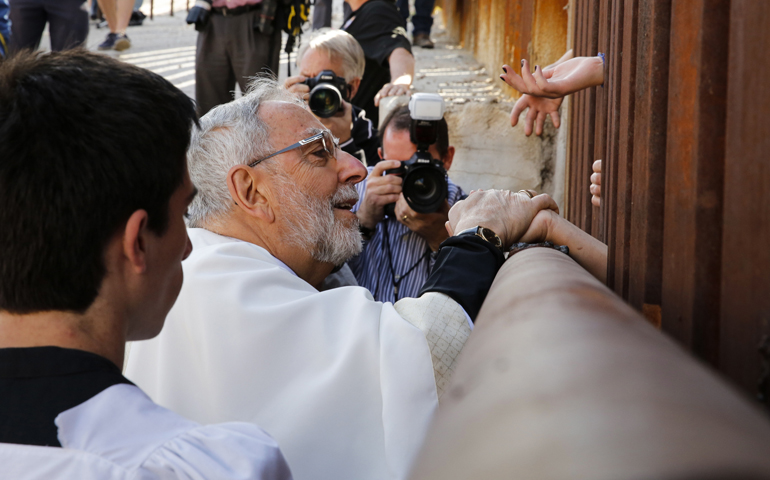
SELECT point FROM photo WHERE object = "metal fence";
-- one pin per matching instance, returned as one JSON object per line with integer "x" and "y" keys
{"x": 682, "y": 127}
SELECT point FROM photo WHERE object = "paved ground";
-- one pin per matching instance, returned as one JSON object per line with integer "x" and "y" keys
{"x": 166, "y": 45}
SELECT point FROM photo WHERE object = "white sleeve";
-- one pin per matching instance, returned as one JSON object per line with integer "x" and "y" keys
{"x": 231, "y": 451}
{"x": 446, "y": 327}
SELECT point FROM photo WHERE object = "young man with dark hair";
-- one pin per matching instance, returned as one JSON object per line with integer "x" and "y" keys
{"x": 90, "y": 257}
{"x": 398, "y": 253}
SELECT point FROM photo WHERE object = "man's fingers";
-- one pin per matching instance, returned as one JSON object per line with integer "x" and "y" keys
{"x": 448, "y": 228}
{"x": 529, "y": 121}
{"x": 518, "y": 107}
{"x": 596, "y": 178}
{"x": 596, "y": 201}
{"x": 544, "y": 201}
{"x": 383, "y": 165}
{"x": 539, "y": 123}
{"x": 597, "y": 166}
{"x": 555, "y": 119}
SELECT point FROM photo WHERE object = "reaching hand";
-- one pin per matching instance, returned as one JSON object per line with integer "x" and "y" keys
{"x": 539, "y": 108}
{"x": 508, "y": 214}
{"x": 558, "y": 80}
{"x": 380, "y": 191}
{"x": 390, "y": 90}
{"x": 596, "y": 184}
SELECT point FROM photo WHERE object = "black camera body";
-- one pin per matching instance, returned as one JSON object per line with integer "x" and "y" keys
{"x": 327, "y": 91}
{"x": 425, "y": 181}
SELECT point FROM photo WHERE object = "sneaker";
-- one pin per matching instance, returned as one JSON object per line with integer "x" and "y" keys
{"x": 422, "y": 40}
{"x": 122, "y": 42}
{"x": 109, "y": 42}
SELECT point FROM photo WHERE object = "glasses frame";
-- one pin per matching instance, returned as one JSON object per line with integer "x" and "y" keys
{"x": 299, "y": 144}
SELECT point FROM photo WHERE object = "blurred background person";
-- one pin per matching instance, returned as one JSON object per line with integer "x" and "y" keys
{"x": 381, "y": 31}
{"x": 118, "y": 14}
{"x": 237, "y": 39}
{"x": 422, "y": 20}
{"x": 67, "y": 23}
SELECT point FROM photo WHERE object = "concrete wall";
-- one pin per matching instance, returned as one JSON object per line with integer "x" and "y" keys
{"x": 476, "y": 37}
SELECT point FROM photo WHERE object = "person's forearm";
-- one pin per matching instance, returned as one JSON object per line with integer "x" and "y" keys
{"x": 401, "y": 67}
{"x": 587, "y": 251}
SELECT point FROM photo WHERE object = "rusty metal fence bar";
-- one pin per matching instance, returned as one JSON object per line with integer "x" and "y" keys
{"x": 562, "y": 379}
{"x": 681, "y": 126}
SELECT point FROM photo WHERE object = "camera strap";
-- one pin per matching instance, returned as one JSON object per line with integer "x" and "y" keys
{"x": 395, "y": 277}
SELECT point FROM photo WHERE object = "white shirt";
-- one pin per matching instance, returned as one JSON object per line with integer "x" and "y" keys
{"x": 121, "y": 434}
{"x": 343, "y": 383}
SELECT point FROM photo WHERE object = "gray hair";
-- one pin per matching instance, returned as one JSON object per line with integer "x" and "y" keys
{"x": 230, "y": 134}
{"x": 340, "y": 44}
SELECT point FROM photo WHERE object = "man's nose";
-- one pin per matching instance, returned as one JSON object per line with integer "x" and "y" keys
{"x": 350, "y": 169}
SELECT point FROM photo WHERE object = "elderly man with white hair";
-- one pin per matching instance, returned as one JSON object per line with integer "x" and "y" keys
{"x": 346, "y": 385}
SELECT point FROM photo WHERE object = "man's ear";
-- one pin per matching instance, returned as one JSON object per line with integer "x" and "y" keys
{"x": 379, "y": 152}
{"x": 135, "y": 241}
{"x": 354, "y": 84}
{"x": 450, "y": 155}
{"x": 247, "y": 189}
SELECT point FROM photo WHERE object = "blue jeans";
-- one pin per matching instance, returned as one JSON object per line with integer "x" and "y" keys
{"x": 423, "y": 16}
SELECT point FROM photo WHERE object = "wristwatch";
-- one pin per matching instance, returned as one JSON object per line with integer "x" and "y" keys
{"x": 485, "y": 233}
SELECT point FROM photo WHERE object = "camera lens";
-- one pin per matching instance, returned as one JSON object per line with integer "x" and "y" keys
{"x": 425, "y": 189}
{"x": 325, "y": 100}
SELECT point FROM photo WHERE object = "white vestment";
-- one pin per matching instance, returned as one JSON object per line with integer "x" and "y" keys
{"x": 121, "y": 434}
{"x": 344, "y": 384}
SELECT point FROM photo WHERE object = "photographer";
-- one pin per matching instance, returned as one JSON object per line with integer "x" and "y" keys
{"x": 339, "y": 53}
{"x": 397, "y": 256}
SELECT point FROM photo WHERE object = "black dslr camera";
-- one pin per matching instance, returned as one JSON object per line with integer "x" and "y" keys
{"x": 424, "y": 178}
{"x": 327, "y": 91}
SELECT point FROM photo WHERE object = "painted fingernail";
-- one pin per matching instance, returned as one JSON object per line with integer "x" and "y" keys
{"x": 522, "y": 62}
{"x": 536, "y": 67}
{"x": 502, "y": 78}
{"x": 504, "y": 70}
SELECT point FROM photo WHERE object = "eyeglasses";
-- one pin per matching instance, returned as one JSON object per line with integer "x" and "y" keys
{"x": 327, "y": 140}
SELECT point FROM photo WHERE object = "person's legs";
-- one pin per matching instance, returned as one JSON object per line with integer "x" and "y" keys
{"x": 403, "y": 8}
{"x": 214, "y": 78}
{"x": 252, "y": 52}
{"x": 28, "y": 19}
{"x": 322, "y": 14}
{"x": 68, "y": 23}
{"x": 118, "y": 14}
{"x": 423, "y": 16}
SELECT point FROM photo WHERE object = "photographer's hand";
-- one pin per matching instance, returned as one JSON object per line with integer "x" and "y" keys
{"x": 295, "y": 85}
{"x": 429, "y": 226}
{"x": 380, "y": 191}
{"x": 508, "y": 214}
{"x": 341, "y": 123}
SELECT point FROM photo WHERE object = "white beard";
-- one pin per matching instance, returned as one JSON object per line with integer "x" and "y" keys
{"x": 312, "y": 226}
